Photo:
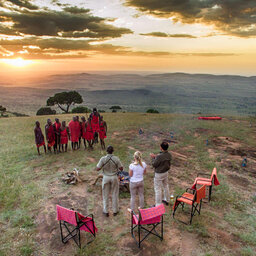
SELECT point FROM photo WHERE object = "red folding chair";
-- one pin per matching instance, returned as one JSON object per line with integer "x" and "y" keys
{"x": 73, "y": 223}
{"x": 194, "y": 199}
{"x": 151, "y": 218}
{"x": 209, "y": 182}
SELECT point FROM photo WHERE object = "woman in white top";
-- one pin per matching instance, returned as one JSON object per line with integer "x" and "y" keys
{"x": 136, "y": 171}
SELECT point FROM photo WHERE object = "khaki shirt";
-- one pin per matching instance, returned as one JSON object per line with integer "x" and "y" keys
{"x": 110, "y": 164}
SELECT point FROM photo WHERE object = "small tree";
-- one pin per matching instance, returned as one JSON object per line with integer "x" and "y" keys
{"x": 81, "y": 109}
{"x": 115, "y": 108}
{"x": 45, "y": 111}
{"x": 151, "y": 110}
{"x": 2, "y": 110}
{"x": 65, "y": 98}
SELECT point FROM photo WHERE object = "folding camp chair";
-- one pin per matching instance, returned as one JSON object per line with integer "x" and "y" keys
{"x": 194, "y": 199}
{"x": 150, "y": 217}
{"x": 73, "y": 223}
{"x": 206, "y": 181}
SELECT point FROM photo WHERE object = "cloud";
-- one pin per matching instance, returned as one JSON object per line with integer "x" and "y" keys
{"x": 232, "y": 17}
{"x": 38, "y": 48}
{"x": 21, "y": 3}
{"x": 161, "y": 34}
{"x": 71, "y": 21}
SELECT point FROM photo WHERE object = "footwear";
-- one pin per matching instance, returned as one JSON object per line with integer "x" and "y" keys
{"x": 165, "y": 202}
{"x": 115, "y": 213}
{"x": 106, "y": 214}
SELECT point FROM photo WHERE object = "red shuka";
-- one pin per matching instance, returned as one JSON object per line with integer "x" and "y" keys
{"x": 57, "y": 126}
{"x": 74, "y": 128}
{"x": 102, "y": 132}
{"x": 51, "y": 136}
{"x": 95, "y": 123}
{"x": 89, "y": 132}
{"x": 64, "y": 136}
{"x": 83, "y": 129}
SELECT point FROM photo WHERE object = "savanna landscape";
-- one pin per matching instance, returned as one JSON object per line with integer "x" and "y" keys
{"x": 32, "y": 185}
{"x": 151, "y": 68}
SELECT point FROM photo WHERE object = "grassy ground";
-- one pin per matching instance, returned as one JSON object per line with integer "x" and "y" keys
{"x": 31, "y": 186}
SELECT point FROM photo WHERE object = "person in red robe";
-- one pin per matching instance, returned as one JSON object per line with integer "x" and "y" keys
{"x": 89, "y": 133}
{"x": 64, "y": 136}
{"x": 83, "y": 130}
{"x": 102, "y": 132}
{"x": 50, "y": 135}
{"x": 74, "y": 128}
{"x": 39, "y": 138}
{"x": 95, "y": 118}
{"x": 80, "y": 131}
{"x": 57, "y": 126}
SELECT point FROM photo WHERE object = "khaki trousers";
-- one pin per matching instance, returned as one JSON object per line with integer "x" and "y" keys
{"x": 161, "y": 182}
{"x": 110, "y": 184}
{"x": 137, "y": 187}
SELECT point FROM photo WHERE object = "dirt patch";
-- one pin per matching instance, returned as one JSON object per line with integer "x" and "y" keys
{"x": 238, "y": 180}
{"x": 223, "y": 237}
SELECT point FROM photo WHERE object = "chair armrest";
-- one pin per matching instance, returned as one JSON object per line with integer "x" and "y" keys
{"x": 87, "y": 216}
{"x": 185, "y": 198}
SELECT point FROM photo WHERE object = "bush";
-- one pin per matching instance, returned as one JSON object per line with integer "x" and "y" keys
{"x": 45, "y": 111}
{"x": 115, "y": 107}
{"x": 81, "y": 109}
{"x": 151, "y": 110}
{"x": 18, "y": 114}
{"x": 101, "y": 111}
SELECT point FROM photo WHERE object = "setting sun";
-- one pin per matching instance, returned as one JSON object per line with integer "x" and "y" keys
{"x": 18, "y": 62}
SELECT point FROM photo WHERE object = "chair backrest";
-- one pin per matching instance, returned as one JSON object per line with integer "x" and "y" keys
{"x": 66, "y": 215}
{"x": 153, "y": 212}
{"x": 200, "y": 194}
{"x": 214, "y": 173}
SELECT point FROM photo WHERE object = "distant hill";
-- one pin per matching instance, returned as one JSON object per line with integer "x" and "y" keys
{"x": 169, "y": 92}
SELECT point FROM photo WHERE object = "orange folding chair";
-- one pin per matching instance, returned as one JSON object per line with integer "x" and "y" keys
{"x": 194, "y": 199}
{"x": 213, "y": 180}
{"x": 73, "y": 222}
{"x": 150, "y": 218}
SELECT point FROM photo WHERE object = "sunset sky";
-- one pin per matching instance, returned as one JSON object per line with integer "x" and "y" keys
{"x": 43, "y": 37}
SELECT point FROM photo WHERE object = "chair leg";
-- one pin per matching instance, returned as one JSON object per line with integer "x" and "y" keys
{"x": 210, "y": 192}
{"x": 162, "y": 228}
{"x": 139, "y": 229}
{"x": 191, "y": 214}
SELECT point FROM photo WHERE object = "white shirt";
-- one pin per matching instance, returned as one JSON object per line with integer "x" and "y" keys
{"x": 138, "y": 172}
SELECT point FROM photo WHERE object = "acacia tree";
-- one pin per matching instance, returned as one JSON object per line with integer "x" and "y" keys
{"x": 64, "y": 100}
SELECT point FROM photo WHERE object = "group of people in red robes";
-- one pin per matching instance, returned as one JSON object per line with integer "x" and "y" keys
{"x": 58, "y": 134}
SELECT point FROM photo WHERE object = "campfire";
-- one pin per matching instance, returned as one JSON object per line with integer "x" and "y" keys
{"x": 71, "y": 178}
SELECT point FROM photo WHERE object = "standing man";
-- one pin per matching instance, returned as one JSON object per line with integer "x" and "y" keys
{"x": 80, "y": 131}
{"x": 162, "y": 164}
{"x": 95, "y": 119}
{"x": 110, "y": 165}
{"x": 57, "y": 126}
{"x": 50, "y": 135}
{"x": 39, "y": 138}
{"x": 74, "y": 129}
{"x": 64, "y": 136}
{"x": 103, "y": 132}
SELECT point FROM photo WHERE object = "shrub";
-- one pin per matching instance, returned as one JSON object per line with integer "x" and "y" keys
{"x": 115, "y": 107}
{"x": 81, "y": 109}
{"x": 45, "y": 111}
{"x": 151, "y": 110}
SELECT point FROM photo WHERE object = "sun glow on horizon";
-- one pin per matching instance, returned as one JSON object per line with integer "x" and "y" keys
{"x": 18, "y": 62}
